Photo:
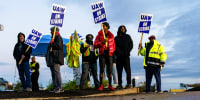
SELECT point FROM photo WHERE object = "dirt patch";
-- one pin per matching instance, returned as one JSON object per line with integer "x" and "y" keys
{"x": 47, "y": 94}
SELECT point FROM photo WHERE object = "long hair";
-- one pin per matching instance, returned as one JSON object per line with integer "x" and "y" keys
{"x": 119, "y": 29}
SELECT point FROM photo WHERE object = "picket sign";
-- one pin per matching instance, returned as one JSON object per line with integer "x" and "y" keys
{"x": 144, "y": 26}
{"x": 32, "y": 40}
{"x": 57, "y": 17}
{"x": 99, "y": 14}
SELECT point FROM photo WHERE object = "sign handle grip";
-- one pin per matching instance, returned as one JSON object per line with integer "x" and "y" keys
{"x": 104, "y": 34}
{"x": 25, "y": 52}
{"x": 54, "y": 33}
{"x": 140, "y": 45}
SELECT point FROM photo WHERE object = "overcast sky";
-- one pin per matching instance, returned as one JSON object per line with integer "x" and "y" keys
{"x": 175, "y": 24}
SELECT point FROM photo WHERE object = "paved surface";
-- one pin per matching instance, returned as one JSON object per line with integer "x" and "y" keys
{"x": 103, "y": 95}
{"x": 66, "y": 94}
{"x": 151, "y": 96}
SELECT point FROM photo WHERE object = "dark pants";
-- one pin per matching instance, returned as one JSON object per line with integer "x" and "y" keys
{"x": 34, "y": 80}
{"x": 123, "y": 62}
{"x": 24, "y": 74}
{"x": 56, "y": 76}
{"x": 150, "y": 71}
{"x": 86, "y": 68}
{"x": 108, "y": 61}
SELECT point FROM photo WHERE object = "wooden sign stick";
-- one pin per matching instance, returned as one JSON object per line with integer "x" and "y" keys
{"x": 25, "y": 52}
{"x": 140, "y": 45}
{"x": 54, "y": 33}
{"x": 104, "y": 34}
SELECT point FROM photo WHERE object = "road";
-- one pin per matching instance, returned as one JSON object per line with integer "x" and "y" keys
{"x": 151, "y": 96}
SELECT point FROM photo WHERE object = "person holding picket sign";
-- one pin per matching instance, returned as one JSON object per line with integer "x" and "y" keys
{"x": 154, "y": 59}
{"x": 106, "y": 49}
{"x": 55, "y": 58}
{"x": 23, "y": 68}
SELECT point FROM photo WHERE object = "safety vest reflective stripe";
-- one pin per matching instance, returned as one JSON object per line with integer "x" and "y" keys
{"x": 96, "y": 54}
{"x": 87, "y": 52}
{"x": 154, "y": 52}
{"x": 153, "y": 63}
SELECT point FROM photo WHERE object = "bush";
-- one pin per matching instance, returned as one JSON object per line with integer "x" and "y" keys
{"x": 17, "y": 86}
{"x": 143, "y": 88}
{"x": 50, "y": 86}
{"x": 71, "y": 85}
{"x": 105, "y": 83}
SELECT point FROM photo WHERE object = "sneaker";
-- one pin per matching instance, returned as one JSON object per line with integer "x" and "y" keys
{"x": 28, "y": 89}
{"x": 128, "y": 86}
{"x": 100, "y": 88}
{"x": 119, "y": 87}
{"x": 110, "y": 87}
{"x": 61, "y": 90}
{"x": 57, "y": 91}
{"x": 159, "y": 92}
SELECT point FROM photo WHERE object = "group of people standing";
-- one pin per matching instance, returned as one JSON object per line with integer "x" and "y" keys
{"x": 110, "y": 49}
{"x": 106, "y": 47}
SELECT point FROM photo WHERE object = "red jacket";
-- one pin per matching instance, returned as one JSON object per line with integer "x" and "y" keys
{"x": 111, "y": 43}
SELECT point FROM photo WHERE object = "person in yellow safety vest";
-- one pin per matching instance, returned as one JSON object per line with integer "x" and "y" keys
{"x": 35, "y": 74}
{"x": 154, "y": 59}
{"x": 89, "y": 62}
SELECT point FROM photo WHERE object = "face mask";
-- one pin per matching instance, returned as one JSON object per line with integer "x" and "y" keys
{"x": 90, "y": 39}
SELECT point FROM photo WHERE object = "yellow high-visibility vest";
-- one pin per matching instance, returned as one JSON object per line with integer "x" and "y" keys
{"x": 157, "y": 51}
{"x": 87, "y": 52}
{"x": 33, "y": 66}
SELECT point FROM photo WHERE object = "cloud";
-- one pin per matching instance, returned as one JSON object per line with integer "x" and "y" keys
{"x": 4, "y": 63}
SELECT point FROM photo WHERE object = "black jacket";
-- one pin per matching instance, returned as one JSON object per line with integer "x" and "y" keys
{"x": 17, "y": 53}
{"x": 124, "y": 45}
{"x": 91, "y": 58}
{"x": 57, "y": 50}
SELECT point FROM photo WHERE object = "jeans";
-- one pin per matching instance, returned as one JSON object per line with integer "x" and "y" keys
{"x": 150, "y": 71}
{"x": 56, "y": 76}
{"x": 114, "y": 73}
{"x": 86, "y": 68}
{"x": 24, "y": 74}
{"x": 123, "y": 62}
